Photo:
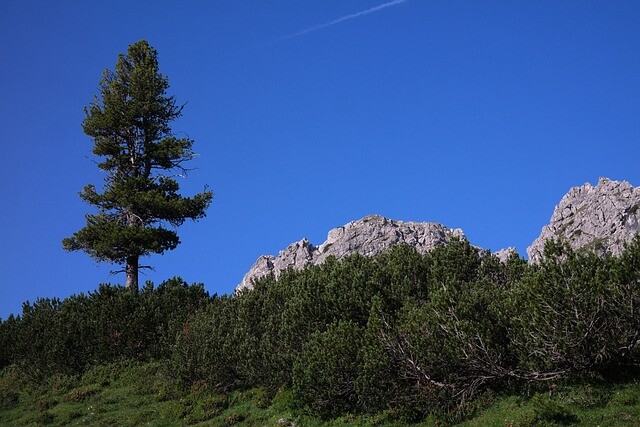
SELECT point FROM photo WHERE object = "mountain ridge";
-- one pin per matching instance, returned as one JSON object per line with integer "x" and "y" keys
{"x": 367, "y": 236}
{"x": 602, "y": 217}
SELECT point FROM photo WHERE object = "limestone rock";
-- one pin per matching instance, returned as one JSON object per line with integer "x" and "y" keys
{"x": 504, "y": 254}
{"x": 601, "y": 218}
{"x": 263, "y": 266}
{"x": 368, "y": 236}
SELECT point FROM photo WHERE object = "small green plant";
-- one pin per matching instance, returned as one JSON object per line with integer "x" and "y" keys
{"x": 548, "y": 410}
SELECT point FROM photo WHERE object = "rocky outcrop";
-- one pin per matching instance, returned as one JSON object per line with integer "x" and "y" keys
{"x": 504, "y": 254}
{"x": 601, "y": 218}
{"x": 368, "y": 236}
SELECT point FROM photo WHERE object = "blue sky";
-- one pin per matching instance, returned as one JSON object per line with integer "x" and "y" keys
{"x": 476, "y": 114}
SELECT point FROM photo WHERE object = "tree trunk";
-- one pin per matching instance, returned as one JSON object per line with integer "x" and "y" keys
{"x": 132, "y": 273}
{"x": 131, "y": 269}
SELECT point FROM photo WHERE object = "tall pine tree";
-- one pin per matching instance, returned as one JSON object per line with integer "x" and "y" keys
{"x": 139, "y": 206}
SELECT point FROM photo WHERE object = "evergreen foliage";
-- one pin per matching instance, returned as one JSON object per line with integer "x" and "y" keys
{"x": 401, "y": 333}
{"x": 130, "y": 126}
{"x": 435, "y": 331}
{"x": 326, "y": 371}
{"x": 7, "y": 340}
{"x": 577, "y": 313}
{"x": 109, "y": 324}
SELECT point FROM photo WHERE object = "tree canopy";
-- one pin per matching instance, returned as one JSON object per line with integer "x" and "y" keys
{"x": 139, "y": 206}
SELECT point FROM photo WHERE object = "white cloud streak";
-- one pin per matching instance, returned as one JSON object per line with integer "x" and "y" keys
{"x": 336, "y": 21}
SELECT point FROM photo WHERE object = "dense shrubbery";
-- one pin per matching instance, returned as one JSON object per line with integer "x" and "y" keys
{"x": 326, "y": 371}
{"x": 576, "y": 313}
{"x": 112, "y": 323}
{"x": 399, "y": 332}
{"x": 419, "y": 334}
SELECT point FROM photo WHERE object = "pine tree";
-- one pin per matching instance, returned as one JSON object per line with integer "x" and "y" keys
{"x": 139, "y": 206}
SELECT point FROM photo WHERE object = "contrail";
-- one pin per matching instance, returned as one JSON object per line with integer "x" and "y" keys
{"x": 335, "y": 21}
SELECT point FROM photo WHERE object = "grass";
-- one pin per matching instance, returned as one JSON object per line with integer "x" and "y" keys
{"x": 617, "y": 405}
{"x": 132, "y": 394}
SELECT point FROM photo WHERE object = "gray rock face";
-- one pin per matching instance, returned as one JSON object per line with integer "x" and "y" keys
{"x": 368, "y": 236}
{"x": 601, "y": 217}
{"x": 504, "y": 254}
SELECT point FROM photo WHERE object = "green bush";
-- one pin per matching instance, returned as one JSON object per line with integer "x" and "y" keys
{"x": 378, "y": 384}
{"x": 574, "y": 314}
{"x": 109, "y": 324}
{"x": 547, "y": 410}
{"x": 325, "y": 373}
{"x": 204, "y": 350}
{"x": 7, "y": 340}
{"x": 412, "y": 335}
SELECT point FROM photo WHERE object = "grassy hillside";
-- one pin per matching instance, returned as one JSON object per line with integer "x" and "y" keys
{"x": 451, "y": 336}
{"x": 132, "y": 394}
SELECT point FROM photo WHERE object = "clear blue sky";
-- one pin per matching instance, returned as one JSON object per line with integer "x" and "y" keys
{"x": 476, "y": 114}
